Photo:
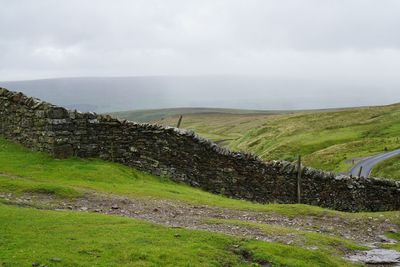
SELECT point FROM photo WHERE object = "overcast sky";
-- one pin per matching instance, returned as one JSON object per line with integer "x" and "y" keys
{"x": 346, "y": 40}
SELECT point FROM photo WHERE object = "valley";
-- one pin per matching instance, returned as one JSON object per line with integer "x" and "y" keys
{"x": 99, "y": 208}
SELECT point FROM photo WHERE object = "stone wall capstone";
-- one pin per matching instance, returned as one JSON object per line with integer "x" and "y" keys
{"x": 184, "y": 157}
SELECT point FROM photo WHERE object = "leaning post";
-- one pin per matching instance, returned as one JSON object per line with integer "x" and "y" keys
{"x": 179, "y": 122}
{"x": 359, "y": 172}
{"x": 299, "y": 179}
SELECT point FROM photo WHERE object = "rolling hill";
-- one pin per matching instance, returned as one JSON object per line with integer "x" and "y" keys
{"x": 327, "y": 139}
{"x": 111, "y": 94}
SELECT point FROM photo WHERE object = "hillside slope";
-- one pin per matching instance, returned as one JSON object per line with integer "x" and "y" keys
{"x": 329, "y": 140}
{"x": 389, "y": 168}
{"x": 248, "y": 233}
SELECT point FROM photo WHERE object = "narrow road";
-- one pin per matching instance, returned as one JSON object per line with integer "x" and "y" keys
{"x": 369, "y": 163}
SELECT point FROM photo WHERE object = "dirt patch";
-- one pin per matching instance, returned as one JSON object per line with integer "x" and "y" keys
{"x": 368, "y": 231}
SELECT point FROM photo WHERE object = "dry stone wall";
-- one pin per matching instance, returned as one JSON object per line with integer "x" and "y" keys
{"x": 184, "y": 157}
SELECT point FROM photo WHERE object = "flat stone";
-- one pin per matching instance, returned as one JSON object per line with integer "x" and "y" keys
{"x": 377, "y": 256}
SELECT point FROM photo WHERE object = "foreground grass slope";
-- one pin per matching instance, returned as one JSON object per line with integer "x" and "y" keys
{"x": 80, "y": 239}
{"x": 52, "y": 238}
{"x": 22, "y": 171}
{"x": 328, "y": 140}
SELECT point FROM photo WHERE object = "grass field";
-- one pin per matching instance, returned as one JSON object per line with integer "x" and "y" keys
{"x": 389, "y": 168}
{"x": 61, "y": 238}
{"x": 76, "y": 239}
{"x": 38, "y": 172}
{"x": 328, "y": 139}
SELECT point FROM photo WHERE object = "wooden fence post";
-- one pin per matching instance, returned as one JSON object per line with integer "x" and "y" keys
{"x": 359, "y": 172}
{"x": 299, "y": 179}
{"x": 179, "y": 122}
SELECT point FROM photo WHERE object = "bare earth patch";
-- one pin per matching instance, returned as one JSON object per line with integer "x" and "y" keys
{"x": 366, "y": 231}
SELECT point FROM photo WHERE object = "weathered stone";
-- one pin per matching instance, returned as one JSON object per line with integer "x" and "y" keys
{"x": 62, "y": 151}
{"x": 380, "y": 257}
{"x": 56, "y": 121}
{"x": 57, "y": 113}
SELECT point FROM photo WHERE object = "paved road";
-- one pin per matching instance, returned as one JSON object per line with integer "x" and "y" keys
{"x": 369, "y": 163}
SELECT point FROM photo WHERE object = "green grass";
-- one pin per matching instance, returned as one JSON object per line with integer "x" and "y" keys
{"x": 389, "y": 168}
{"x": 290, "y": 256}
{"x": 328, "y": 139}
{"x": 27, "y": 171}
{"x": 82, "y": 239}
{"x": 69, "y": 177}
{"x": 78, "y": 239}
{"x": 20, "y": 186}
{"x": 395, "y": 236}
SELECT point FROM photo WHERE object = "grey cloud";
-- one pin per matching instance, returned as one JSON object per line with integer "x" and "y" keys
{"x": 346, "y": 40}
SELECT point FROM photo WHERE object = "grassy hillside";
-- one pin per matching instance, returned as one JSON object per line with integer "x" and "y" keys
{"x": 389, "y": 168}
{"x": 52, "y": 238}
{"x": 24, "y": 171}
{"x": 147, "y": 115}
{"x": 72, "y": 238}
{"x": 328, "y": 140}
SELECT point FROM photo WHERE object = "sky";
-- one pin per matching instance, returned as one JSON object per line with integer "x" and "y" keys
{"x": 354, "y": 41}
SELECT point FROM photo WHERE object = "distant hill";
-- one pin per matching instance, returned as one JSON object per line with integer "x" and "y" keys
{"x": 111, "y": 94}
{"x": 157, "y": 115}
{"x": 149, "y": 115}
